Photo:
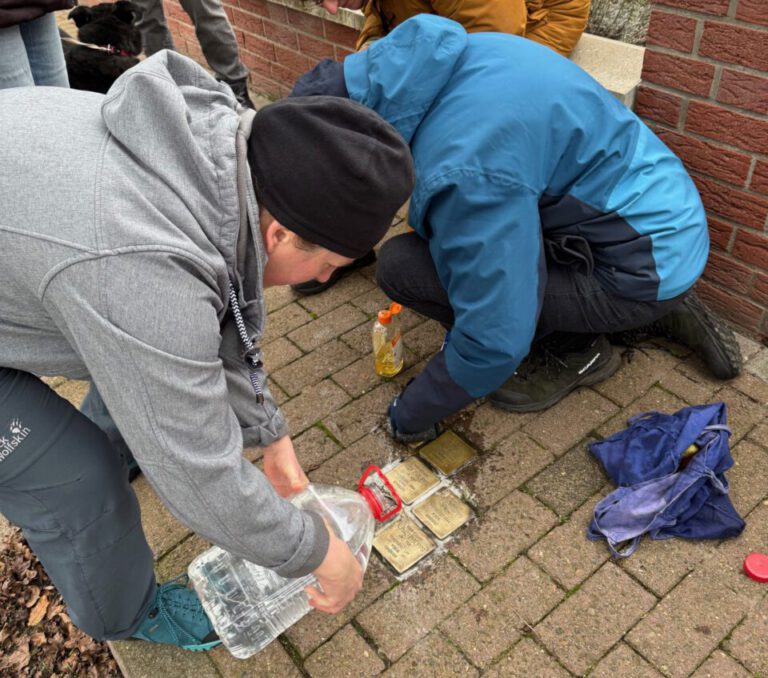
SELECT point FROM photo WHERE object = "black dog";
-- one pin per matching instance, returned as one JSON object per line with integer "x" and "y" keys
{"x": 109, "y": 43}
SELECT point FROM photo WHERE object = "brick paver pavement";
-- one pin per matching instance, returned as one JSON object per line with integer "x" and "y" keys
{"x": 520, "y": 590}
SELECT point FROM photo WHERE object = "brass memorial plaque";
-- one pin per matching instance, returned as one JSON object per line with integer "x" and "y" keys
{"x": 448, "y": 453}
{"x": 443, "y": 513}
{"x": 411, "y": 479}
{"x": 403, "y": 544}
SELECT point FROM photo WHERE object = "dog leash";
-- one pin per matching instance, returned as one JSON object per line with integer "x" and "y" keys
{"x": 110, "y": 49}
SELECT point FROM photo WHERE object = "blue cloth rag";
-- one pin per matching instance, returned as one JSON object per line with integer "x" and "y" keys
{"x": 658, "y": 496}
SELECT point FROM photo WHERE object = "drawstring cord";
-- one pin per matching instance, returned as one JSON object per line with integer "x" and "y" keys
{"x": 251, "y": 361}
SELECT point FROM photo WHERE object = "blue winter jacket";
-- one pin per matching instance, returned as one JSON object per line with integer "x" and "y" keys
{"x": 513, "y": 143}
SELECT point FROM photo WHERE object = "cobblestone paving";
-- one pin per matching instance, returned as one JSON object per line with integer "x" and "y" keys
{"x": 519, "y": 591}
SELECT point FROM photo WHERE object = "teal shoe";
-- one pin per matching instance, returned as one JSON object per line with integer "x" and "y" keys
{"x": 177, "y": 618}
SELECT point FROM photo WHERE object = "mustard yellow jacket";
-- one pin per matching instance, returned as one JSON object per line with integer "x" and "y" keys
{"x": 555, "y": 23}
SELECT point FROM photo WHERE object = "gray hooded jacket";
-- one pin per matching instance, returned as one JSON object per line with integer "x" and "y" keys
{"x": 120, "y": 232}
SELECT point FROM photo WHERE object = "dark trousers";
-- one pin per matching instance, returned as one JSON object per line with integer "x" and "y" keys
{"x": 573, "y": 303}
{"x": 66, "y": 486}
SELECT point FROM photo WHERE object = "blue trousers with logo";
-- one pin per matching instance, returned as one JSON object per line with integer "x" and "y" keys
{"x": 66, "y": 485}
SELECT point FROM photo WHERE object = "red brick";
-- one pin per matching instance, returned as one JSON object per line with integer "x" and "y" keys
{"x": 260, "y": 46}
{"x": 265, "y": 86}
{"x": 340, "y": 35}
{"x": 657, "y": 105}
{"x": 288, "y": 66}
{"x": 306, "y": 23}
{"x": 731, "y": 203}
{"x": 730, "y": 127}
{"x": 671, "y": 30}
{"x": 744, "y": 90}
{"x": 687, "y": 75}
{"x": 724, "y": 270}
{"x": 259, "y": 7}
{"x": 342, "y": 53}
{"x": 282, "y": 34}
{"x": 292, "y": 60}
{"x": 752, "y": 248}
{"x": 250, "y": 23}
{"x": 256, "y": 64}
{"x": 726, "y": 42}
{"x": 187, "y": 32}
{"x": 277, "y": 13}
{"x": 314, "y": 48}
{"x": 719, "y": 233}
{"x": 753, "y": 11}
{"x": 707, "y": 158}
{"x": 737, "y": 309}
{"x": 718, "y": 7}
{"x": 173, "y": 10}
{"x": 760, "y": 289}
{"x": 174, "y": 25}
{"x": 760, "y": 177}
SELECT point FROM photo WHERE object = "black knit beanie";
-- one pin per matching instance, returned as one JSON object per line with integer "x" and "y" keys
{"x": 330, "y": 170}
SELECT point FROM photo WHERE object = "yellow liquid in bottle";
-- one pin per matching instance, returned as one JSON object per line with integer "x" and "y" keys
{"x": 388, "y": 355}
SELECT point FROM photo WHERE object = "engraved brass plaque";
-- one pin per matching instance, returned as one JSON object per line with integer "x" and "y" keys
{"x": 443, "y": 513}
{"x": 411, "y": 479}
{"x": 403, "y": 544}
{"x": 448, "y": 453}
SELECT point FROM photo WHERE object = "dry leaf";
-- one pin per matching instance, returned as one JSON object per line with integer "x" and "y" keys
{"x": 38, "y": 611}
{"x": 20, "y": 657}
{"x": 34, "y": 595}
{"x": 38, "y": 639}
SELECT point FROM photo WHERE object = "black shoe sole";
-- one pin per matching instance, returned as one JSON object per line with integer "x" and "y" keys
{"x": 727, "y": 348}
{"x": 605, "y": 371}
{"x": 314, "y": 287}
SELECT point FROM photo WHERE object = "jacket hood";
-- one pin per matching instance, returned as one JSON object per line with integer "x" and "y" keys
{"x": 424, "y": 53}
{"x": 180, "y": 124}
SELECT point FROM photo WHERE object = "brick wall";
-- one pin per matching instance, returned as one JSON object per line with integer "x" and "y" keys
{"x": 705, "y": 93}
{"x": 277, "y": 43}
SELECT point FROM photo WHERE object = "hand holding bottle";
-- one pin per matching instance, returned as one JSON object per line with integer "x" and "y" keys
{"x": 339, "y": 575}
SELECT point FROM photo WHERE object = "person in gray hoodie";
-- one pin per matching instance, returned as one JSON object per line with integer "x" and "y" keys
{"x": 138, "y": 232}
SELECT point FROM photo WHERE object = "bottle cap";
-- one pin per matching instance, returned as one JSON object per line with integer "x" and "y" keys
{"x": 385, "y": 317}
{"x": 395, "y": 308}
{"x": 756, "y": 566}
{"x": 377, "y": 490}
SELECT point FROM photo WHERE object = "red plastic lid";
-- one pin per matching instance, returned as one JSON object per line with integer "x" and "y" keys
{"x": 373, "y": 501}
{"x": 756, "y": 566}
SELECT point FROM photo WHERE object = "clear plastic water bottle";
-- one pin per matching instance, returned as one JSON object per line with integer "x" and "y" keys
{"x": 249, "y": 605}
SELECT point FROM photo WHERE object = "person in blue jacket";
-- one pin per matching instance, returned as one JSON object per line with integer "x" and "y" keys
{"x": 545, "y": 215}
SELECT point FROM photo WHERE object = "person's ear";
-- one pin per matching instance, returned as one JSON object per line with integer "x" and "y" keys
{"x": 274, "y": 234}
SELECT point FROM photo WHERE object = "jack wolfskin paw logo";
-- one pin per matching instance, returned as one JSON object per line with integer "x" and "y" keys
{"x": 16, "y": 426}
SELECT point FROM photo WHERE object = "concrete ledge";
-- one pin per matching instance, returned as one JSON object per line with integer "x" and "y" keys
{"x": 344, "y": 17}
{"x": 615, "y": 65}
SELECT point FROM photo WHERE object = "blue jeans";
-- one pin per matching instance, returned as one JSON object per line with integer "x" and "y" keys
{"x": 31, "y": 54}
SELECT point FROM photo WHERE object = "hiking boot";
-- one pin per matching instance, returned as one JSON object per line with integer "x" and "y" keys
{"x": 694, "y": 325}
{"x": 177, "y": 618}
{"x": 551, "y": 371}
{"x": 240, "y": 90}
{"x": 315, "y": 286}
